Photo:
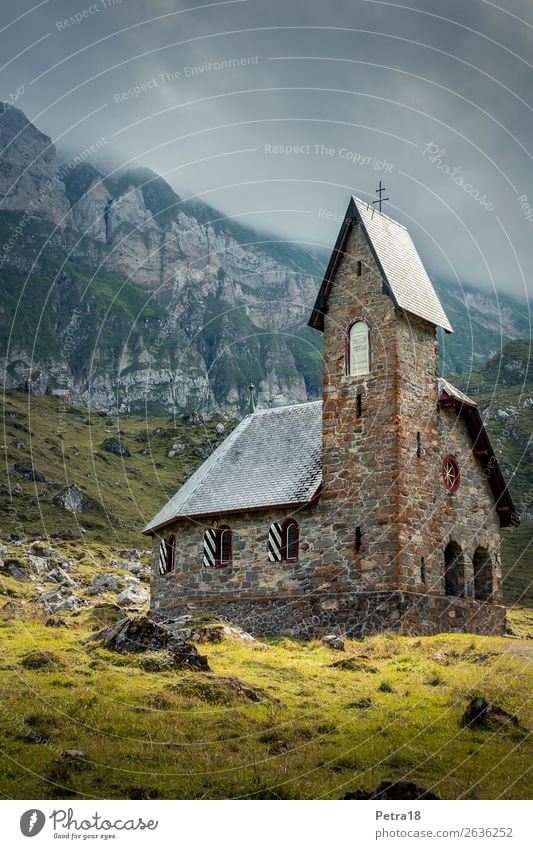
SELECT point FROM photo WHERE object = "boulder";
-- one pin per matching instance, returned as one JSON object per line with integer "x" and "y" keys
{"x": 220, "y": 429}
{"x": 393, "y": 790}
{"x": 115, "y": 446}
{"x": 482, "y": 713}
{"x": 133, "y": 596}
{"x": 61, "y": 598}
{"x": 28, "y": 472}
{"x": 333, "y": 641}
{"x": 142, "y": 634}
{"x": 38, "y": 565}
{"x": 104, "y": 583}
{"x": 16, "y": 568}
{"x": 72, "y": 499}
{"x": 59, "y": 576}
{"x": 39, "y": 548}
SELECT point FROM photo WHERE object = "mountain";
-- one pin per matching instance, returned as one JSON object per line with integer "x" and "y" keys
{"x": 135, "y": 299}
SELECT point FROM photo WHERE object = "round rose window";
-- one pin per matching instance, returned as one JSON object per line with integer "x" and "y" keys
{"x": 450, "y": 473}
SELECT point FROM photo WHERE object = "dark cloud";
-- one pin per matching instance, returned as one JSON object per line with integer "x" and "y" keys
{"x": 276, "y": 112}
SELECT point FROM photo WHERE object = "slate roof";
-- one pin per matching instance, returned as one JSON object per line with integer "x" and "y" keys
{"x": 404, "y": 277}
{"x": 273, "y": 457}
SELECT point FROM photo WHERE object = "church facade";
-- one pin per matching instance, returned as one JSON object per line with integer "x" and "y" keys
{"x": 379, "y": 507}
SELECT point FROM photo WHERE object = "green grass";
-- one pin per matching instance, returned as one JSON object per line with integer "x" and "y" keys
{"x": 317, "y": 730}
{"x": 64, "y": 442}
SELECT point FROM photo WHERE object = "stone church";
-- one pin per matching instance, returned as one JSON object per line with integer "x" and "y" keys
{"x": 377, "y": 508}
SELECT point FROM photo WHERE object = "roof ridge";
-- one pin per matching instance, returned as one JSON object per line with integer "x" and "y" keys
{"x": 264, "y": 410}
{"x": 379, "y": 212}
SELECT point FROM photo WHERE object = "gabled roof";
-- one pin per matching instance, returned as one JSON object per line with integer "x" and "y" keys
{"x": 482, "y": 449}
{"x": 405, "y": 279}
{"x": 272, "y": 458}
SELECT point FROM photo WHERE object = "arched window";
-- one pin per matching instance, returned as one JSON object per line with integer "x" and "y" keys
{"x": 170, "y": 552}
{"x": 454, "y": 575}
{"x": 167, "y": 554}
{"x": 284, "y": 541}
{"x": 290, "y": 541}
{"x": 482, "y": 574}
{"x": 218, "y": 546}
{"x": 358, "y": 349}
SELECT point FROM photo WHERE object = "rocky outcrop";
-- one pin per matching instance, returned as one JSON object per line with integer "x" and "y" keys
{"x": 29, "y": 176}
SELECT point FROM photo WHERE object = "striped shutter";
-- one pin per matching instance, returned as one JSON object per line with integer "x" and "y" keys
{"x": 274, "y": 542}
{"x": 162, "y": 557}
{"x": 210, "y": 547}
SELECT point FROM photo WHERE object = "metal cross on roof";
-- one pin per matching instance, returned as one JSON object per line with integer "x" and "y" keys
{"x": 379, "y": 191}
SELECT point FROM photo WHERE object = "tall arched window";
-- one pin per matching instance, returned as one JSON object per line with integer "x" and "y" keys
{"x": 167, "y": 554}
{"x": 454, "y": 575}
{"x": 290, "y": 541}
{"x": 218, "y": 546}
{"x": 358, "y": 349}
{"x": 482, "y": 574}
{"x": 170, "y": 552}
{"x": 284, "y": 541}
{"x": 224, "y": 546}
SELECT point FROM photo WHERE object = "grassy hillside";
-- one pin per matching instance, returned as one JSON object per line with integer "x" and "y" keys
{"x": 64, "y": 443}
{"x": 316, "y": 722}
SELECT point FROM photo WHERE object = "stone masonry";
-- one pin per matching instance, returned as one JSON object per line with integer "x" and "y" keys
{"x": 381, "y": 473}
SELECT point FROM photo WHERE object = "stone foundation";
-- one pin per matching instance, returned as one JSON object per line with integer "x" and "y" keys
{"x": 354, "y": 615}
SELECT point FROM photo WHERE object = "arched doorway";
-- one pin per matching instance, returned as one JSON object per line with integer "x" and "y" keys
{"x": 482, "y": 574}
{"x": 454, "y": 574}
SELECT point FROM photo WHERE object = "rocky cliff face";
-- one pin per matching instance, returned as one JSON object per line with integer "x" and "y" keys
{"x": 214, "y": 309}
{"x": 29, "y": 176}
{"x": 132, "y": 298}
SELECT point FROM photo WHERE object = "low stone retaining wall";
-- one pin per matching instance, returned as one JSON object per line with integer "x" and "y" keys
{"x": 356, "y": 615}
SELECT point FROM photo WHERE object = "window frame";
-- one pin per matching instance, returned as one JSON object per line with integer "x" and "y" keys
{"x": 286, "y": 524}
{"x": 449, "y": 458}
{"x": 219, "y": 532}
{"x": 347, "y": 357}
{"x": 170, "y": 553}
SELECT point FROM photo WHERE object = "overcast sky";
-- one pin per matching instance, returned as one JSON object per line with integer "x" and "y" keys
{"x": 277, "y": 111}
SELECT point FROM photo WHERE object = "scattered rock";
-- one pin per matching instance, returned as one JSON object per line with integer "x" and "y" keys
{"x": 59, "y": 576}
{"x": 115, "y": 446}
{"x": 17, "y": 569}
{"x": 38, "y": 565}
{"x": 63, "y": 535}
{"x": 393, "y": 790}
{"x": 56, "y": 622}
{"x": 133, "y": 596}
{"x": 104, "y": 583}
{"x": 75, "y": 754}
{"x": 333, "y": 641}
{"x": 132, "y": 554}
{"x": 142, "y": 634}
{"x": 72, "y": 499}
{"x": 482, "y": 713}
{"x": 29, "y": 472}
{"x": 203, "y": 452}
{"x": 61, "y": 598}
{"x": 192, "y": 418}
{"x": 39, "y": 548}
{"x": 220, "y": 429}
